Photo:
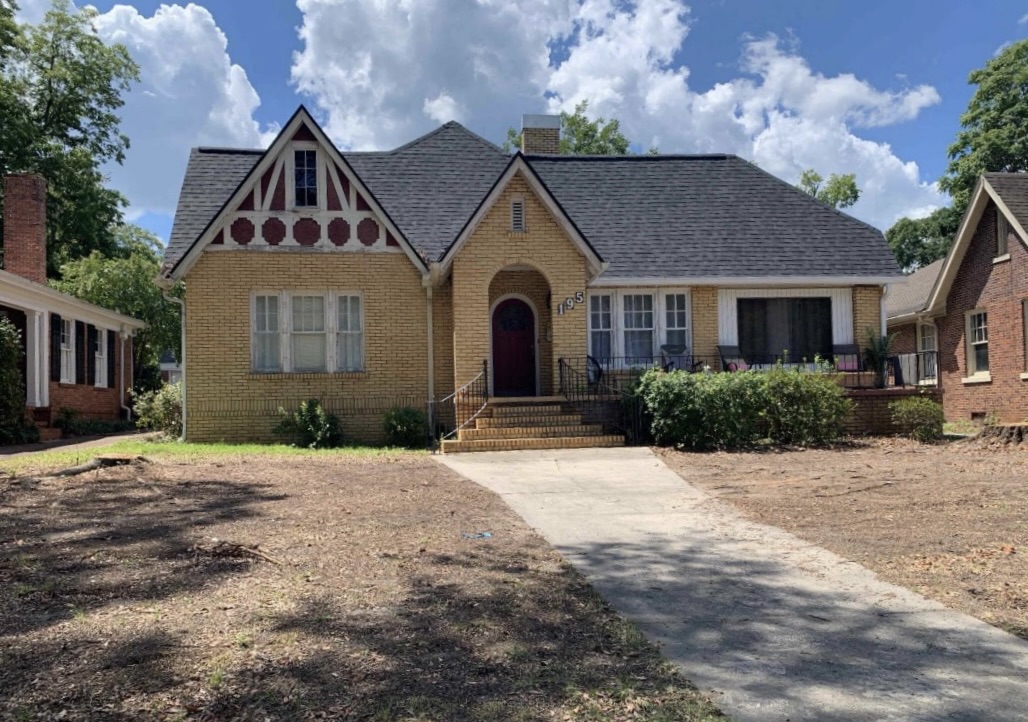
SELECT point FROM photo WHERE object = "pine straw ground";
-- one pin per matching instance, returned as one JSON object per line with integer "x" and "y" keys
{"x": 369, "y": 603}
{"x": 949, "y": 520}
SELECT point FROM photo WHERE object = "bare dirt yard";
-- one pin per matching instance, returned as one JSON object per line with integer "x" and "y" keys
{"x": 303, "y": 587}
{"x": 949, "y": 521}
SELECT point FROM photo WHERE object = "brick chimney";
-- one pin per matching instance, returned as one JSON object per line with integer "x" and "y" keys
{"x": 540, "y": 134}
{"x": 25, "y": 226}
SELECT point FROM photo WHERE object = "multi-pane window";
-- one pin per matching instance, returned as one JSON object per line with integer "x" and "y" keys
{"x": 350, "y": 339}
{"x": 305, "y": 184}
{"x": 601, "y": 327}
{"x": 267, "y": 343}
{"x": 638, "y": 327}
{"x": 309, "y": 342}
{"x": 676, "y": 319}
{"x": 927, "y": 346}
{"x": 67, "y": 351}
{"x": 977, "y": 342}
{"x": 100, "y": 356}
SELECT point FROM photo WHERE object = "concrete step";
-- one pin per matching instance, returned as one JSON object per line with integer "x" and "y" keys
{"x": 49, "y": 433}
{"x": 503, "y": 411}
{"x": 497, "y": 422}
{"x": 531, "y": 432}
{"x": 560, "y": 442}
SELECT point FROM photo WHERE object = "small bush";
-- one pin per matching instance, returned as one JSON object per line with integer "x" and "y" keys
{"x": 160, "y": 410}
{"x": 921, "y": 415}
{"x": 406, "y": 427}
{"x": 310, "y": 426}
{"x": 13, "y": 428}
{"x": 739, "y": 410}
{"x": 71, "y": 424}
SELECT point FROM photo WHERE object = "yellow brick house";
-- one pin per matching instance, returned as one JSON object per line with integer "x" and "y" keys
{"x": 500, "y": 293}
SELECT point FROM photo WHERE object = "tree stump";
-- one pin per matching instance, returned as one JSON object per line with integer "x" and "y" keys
{"x": 1003, "y": 435}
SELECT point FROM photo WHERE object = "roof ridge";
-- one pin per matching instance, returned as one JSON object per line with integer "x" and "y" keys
{"x": 632, "y": 157}
{"x": 430, "y": 134}
{"x": 228, "y": 150}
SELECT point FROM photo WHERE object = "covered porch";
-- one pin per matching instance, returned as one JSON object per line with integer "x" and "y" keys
{"x": 32, "y": 324}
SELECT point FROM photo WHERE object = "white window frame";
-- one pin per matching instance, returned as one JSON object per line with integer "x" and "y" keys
{"x": 973, "y": 374}
{"x": 67, "y": 351}
{"x": 659, "y": 321}
{"x": 927, "y": 377}
{"x": 1024, "y": 322}
{"x": 359, "y": 333}
{"x": 325, "y": 332}
{"x": 515, "y": 227}
{"x": 611, "y": 311}
{"x": 285, "y": 331}
{"x": 290, "y": 168}
{"x": 100, "y": 359}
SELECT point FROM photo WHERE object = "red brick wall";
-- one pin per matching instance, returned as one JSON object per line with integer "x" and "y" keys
{"x": 906, "y": 338}
{"x": 871, "y": 413}
{"x": 89, "y": 401}
{"x": 998, "y": 288}
{"x": 25, "y": 226}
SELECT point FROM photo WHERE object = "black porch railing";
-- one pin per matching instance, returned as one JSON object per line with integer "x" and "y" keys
{"x": 458, "y": 410}
{"x": 600, "y": 402}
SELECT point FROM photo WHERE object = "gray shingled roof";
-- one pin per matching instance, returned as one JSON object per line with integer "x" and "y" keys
{"x": 649, "y": 216}
{"x": 911, "y": 295}
{"x": 1013, "y": 189}
{"x": 707, "y": 216}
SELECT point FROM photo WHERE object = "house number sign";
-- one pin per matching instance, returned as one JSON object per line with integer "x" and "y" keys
{"x": 569, "y": 303}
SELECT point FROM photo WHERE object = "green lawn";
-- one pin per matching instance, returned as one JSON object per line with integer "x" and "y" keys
{"x": 62, "y": 458}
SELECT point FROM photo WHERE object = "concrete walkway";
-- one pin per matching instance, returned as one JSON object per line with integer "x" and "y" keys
{"x": 773, "y": 627}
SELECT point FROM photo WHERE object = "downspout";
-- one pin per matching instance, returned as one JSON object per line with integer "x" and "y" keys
{"x": 182, "y": 359}
{"x": 122, "y": 335}
{"x": 884, "y": 312}
{"x": 427, "y": 281}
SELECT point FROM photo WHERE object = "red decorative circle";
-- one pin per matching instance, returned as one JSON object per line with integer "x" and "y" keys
{"x": 339, "y": 231}
{"x": 307, "y": 231}
{"x": 367, "y": 232}
{"x": 274, "y": 231}
{"x": 242, "y": 231}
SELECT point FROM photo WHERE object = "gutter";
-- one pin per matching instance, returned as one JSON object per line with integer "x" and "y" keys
{"x": 122, "y": 335}
{"x": 182, "y": 360}
{"x": 884, "y": 312}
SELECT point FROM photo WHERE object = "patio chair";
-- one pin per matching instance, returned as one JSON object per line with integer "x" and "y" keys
{"x": 847, "y": 357}
{"x": 732, "y": 358}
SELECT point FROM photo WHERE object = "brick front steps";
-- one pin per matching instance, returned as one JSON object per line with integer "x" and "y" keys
{"x": 522, "y": 424}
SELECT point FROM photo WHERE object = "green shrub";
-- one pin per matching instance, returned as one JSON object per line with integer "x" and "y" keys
{"x": 310, "y": 426}
{"x": 921, "y": 415}
{"x": 741, "y": 409}
{"x": 803, "y": 408}
{"x": 406, "y": 427}
{"x": 160, "y": 410}
{"x": 13, "y": 428}
{"x": 72, "y": 424}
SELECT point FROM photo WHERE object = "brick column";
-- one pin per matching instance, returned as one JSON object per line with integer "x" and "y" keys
{"x": 25, "y": 226}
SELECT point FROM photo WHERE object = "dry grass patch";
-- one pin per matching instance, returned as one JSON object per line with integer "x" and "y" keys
{"x": 949, "y": 521}
{"x": 369, "y": 603}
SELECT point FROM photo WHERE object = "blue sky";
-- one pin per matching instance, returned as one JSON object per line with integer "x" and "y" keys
{"x": 872, "y": 87}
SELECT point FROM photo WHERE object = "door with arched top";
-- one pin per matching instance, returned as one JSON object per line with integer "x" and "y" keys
{"x": 513, "y": 349}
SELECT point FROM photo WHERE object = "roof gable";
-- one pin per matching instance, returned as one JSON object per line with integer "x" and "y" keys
{"x": 264, "y": 187}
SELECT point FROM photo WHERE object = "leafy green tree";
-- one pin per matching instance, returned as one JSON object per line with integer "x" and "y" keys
{"x": 839, "y": 191}
{"x": 581, "y": 136}
{"x": 60, "y": 92}
{"x": 13, "y": 429}
{"x": 9, "y": 32}
{"x": 918, "y": 242}
{"x": 994, "y": 128}
{"x": 125, "y": 282}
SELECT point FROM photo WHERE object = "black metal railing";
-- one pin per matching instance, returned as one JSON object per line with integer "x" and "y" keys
{"x": 917, "y": 369}
{"x": 458, "y": 410}
{"x": 598, "y": 401}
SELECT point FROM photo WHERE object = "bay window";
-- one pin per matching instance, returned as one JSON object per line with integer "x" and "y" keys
{"x": 307, "y": 332}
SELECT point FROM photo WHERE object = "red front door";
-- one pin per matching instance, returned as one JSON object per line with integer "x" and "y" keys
{"x": 513, "y": 349}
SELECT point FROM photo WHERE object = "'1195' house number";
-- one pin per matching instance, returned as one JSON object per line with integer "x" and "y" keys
{"x": 569, "y": 303}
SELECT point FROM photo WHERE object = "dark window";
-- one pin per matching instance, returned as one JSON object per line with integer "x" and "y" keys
{"x": 770, "y": 328}
{"x": 306, "y": 178}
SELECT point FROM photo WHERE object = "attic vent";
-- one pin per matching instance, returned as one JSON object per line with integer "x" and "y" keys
{"x": 517, "y": 216}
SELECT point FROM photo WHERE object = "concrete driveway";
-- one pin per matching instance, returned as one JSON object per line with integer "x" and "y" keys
{"x": 773, "y": 627}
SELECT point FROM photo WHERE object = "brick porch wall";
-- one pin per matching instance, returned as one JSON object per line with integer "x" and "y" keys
{"x": 998, "y": 288}
{"x": 227, "y": 402}
{"x": 871, "y": 413}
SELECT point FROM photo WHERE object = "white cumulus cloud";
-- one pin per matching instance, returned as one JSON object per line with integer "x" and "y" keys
{"x": 382, "y": 72}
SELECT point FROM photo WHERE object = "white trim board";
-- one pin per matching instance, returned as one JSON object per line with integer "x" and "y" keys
{"x": 26, "y": 295}
{"x": 728, "y": 310}
{"x": 745, "y": 281}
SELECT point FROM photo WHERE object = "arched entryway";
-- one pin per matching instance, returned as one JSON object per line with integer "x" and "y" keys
{"x": 515, "y": 347}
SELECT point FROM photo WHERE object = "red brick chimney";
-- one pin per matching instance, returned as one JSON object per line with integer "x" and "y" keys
{"x": 25, "y": 226}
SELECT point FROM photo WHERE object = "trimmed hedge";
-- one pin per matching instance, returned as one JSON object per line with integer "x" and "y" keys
{"x": 406, "y": 427}
{"x": 921, "y": 415}
{"x": 738, "y": 410}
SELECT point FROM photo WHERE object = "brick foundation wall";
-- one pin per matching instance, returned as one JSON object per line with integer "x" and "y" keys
{"x": 871, "y": 414}
{"x": 225, "y": 401}
{"x": 998, "y": 288}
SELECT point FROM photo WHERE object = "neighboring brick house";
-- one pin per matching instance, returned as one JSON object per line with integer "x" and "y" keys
{"x": 979, "y": 305}
{"x": 77, "y": 356}
{"x": 377, "y": 279}
{"x": 916, "y": 341}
